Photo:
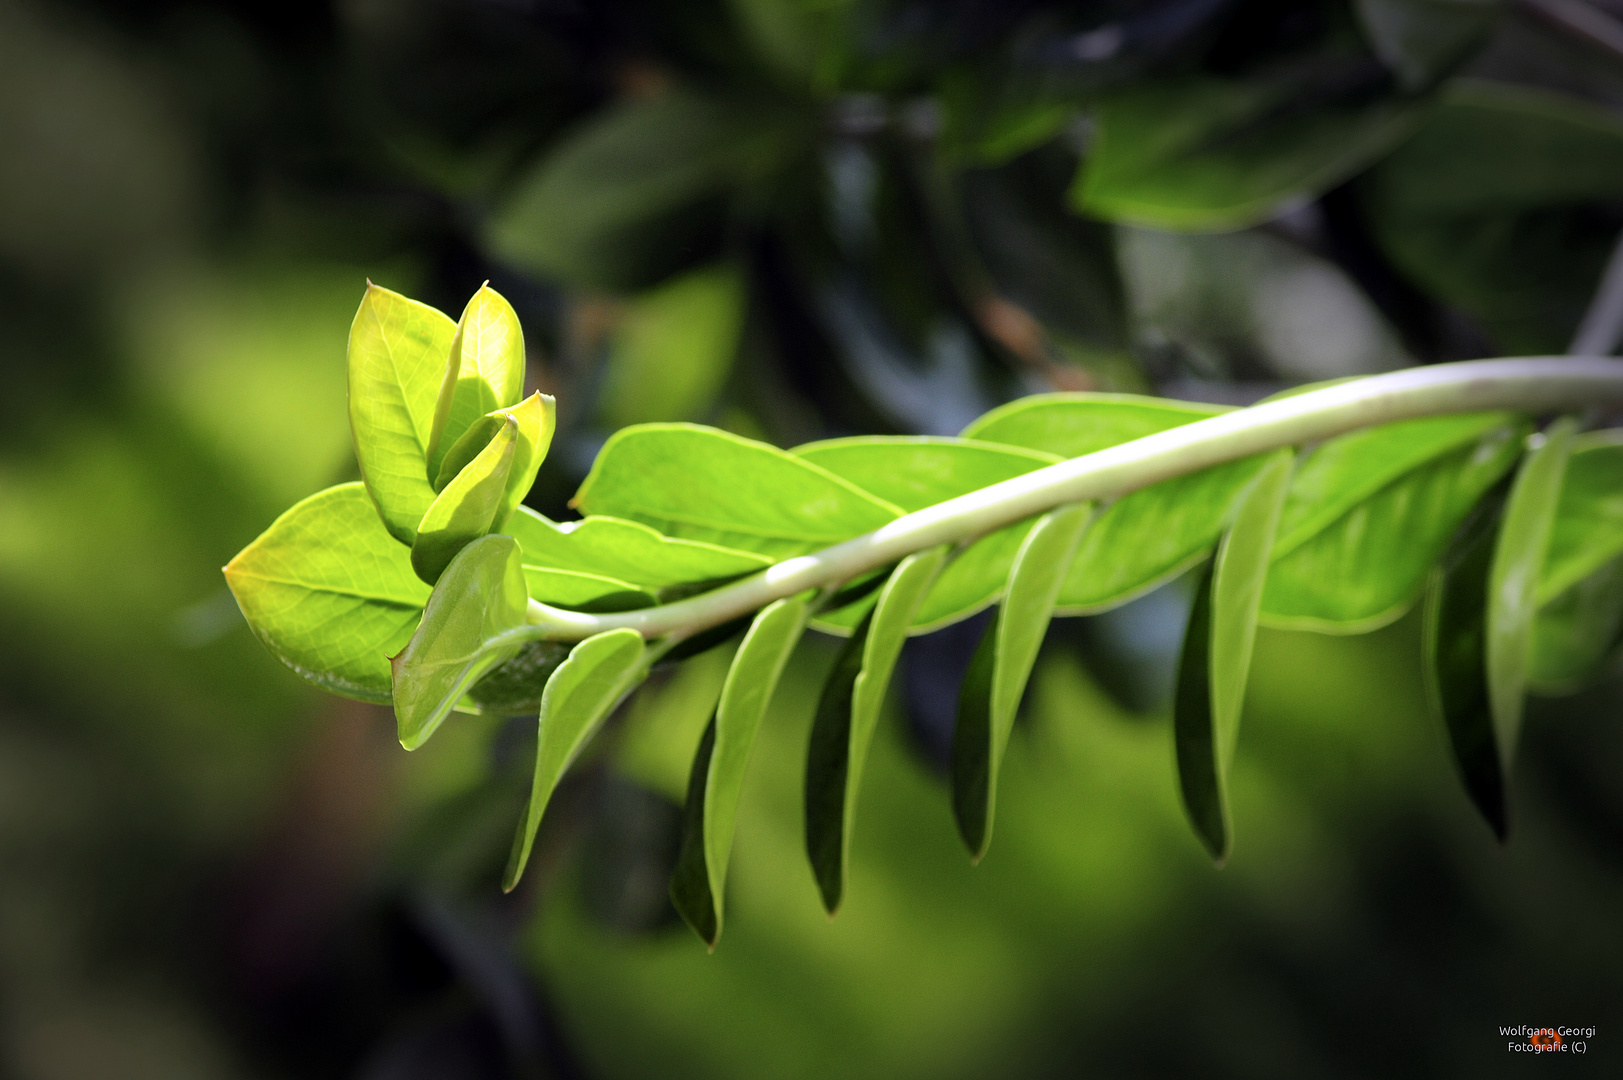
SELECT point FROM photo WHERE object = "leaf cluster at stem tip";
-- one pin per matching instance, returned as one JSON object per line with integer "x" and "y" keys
{"x": 429, "y": 586}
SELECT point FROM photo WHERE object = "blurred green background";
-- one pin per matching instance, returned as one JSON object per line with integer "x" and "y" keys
{"x": 792, "y": 219}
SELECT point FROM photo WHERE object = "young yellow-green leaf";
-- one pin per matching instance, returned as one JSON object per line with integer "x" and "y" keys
{"x": 627, "y": 551}
{"x": 467, "y": 630}
{"x": 717, "y": 780}
{"x": 916, "y": 471}
{"x": 1074, "y": 424}
{"x": 1206, "y": 725}
{"x": 1368, "y": 566}
{"x": 485, "y": 372}
{"x": 1518, "y": 556}
{"x": 397, "y": 351}
{"x": 466, "y": 509}
{"x": 1456, "y": 665}
{"x": 1588, "y": 531}
{"x": 1577, "y": 631}
{"x": 535, "y": 418}
{"x": 698, "y": 483}
{"x": 984, "y": 727}
{"x": 579, "y": 696}
{"x": 330, "y": 592}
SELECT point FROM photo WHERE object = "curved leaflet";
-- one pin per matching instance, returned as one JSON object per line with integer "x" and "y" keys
{"x": 987, "y": 707}
{"x": 485, "y": 372}
{"x": 330, "y": 592}
{"x": 717, "y": 779}
{"x": 579, "y": 697}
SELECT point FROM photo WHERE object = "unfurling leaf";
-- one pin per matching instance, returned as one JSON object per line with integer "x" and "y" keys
{"x": 987, "y": 707}
{"x": 330, "y": 592}
{"x": 534, "y": 420}
{"x": 397, "y": 351}
{"x": 467, "y": 629}
{"x": 717, "y": 779}
{"x": 848, "y": 713}
{"x": 485, "y": 372}
{"x": 579, "y": 696}
{"x": 1456, "y": 666}
{"x": 1216, "y": 658}
{"x": 1518, "y": 556}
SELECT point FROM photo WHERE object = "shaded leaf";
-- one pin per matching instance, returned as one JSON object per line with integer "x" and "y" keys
{"x": 330, "y": 592}
{"x": 485, "y": 372}
{"x": 1518, "y": 556}
{"x": 585, "y": 592}
{"x": 698, "y": 885}
{"x": 468, "y": 628}
{"x": 1576, "y": 631}
{"x": 698, "y": 483}
{"x": 1369, "y": 566}
{"x": 1422, "y": 40}
{"x": 1456, "y": 665}
{"x": 397, "y": 351}
{"x": 579, "y": 696}
{"x": 1588, "y": 531}
{"x": 1217, "y": 652}
{"x": 1035, "y": 578}
{"x": 533, "y": 421}
{"x": 514, "y": 688}
{"x": 466, "y": 509}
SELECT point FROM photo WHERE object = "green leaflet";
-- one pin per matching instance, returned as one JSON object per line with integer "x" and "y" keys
{"x": 717, "y": 780}
{"x": 1518, "y": 555}
{"x": 485, "y": 372}
{"x": 987, "y": 707}
{"x": 330, "y": 592}
{"x": 467, "y": 508}
{"x": 1216, "y": 659}
{"x": 1588, "y": 532}
{"x": 1456, "y": 667}
{"x": 847, "y": 715}
{"x": 1204, "y": 154}
{"x": 698, "y": 483}
{"x": 467, "y": 629}
{"x": 579, "y": 696}
{"x": 584, "y": 592}
{"x": 1576, "y": 631}
{"x": 1147, "y": 536}
{"x": 514, "y": 688}
{"x": 626, "y": 550}
{"x": 1368, "y": 566}
{"x": 533, "y": 421}
{"x": 397, "y": 350}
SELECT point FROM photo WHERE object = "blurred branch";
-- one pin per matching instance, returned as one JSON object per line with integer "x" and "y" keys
{"x": 1580, "y": 20}
{"x": 1602, "y": 324}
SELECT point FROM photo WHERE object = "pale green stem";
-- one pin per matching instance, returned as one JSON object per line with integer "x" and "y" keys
{"x": 1534, "y": 385}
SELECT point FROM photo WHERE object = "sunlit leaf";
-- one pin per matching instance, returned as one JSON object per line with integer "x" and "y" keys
{"x": 330, "y": 592}
{"x": 625, "y": 550}
{"x": 1216, "y": 661}
{"x": 1368, "y": 567}
{"x": 1518, "y": 555}
{"x": 916, "y": 471}
{"x": 1071, "y": 425}
{"x": 579, "y": 696}
{"x": 485, "y": 372}
{"x": 699, "y": 882}
{"x": 1588, "y": 532}
{"x": 397, "y": 351}
{"x": 467, "y": 630}
{"x": 533, "y": 422}
{"x": 699, "y": 483}
{"x": 583, "y": 591}
{"x": 466, "y": 509}
{"x": 984, "y": 726}
{"x": 1456, "y": 665}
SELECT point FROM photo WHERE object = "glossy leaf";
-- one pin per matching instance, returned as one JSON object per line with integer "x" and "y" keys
{"x": 698, "y": 483}
{"x": 1588, "y": 532}
{"x": 1456, "y": 666}
{"x": 1369, "y": 566}
{"x": 485, "y": 372}
{"x": 626, "y": 550}
{"x": 983, "y": 729}
{"x": 1216, "y": 660}
{"x": 467, "y": 629}
{"x": 397, "y": 351}
{"x": 467, "y": 508}
{"x": 717, "y": 780}
{"x": 585, "y": 592}
{"x": 1518, "y": 556}
{"x": 1210, "y": 154}
{"x": 579, "y": 696}
{"x": 330, "y": 592}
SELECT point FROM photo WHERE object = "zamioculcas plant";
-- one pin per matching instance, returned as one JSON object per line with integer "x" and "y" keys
{"x": 430, "y": 586}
